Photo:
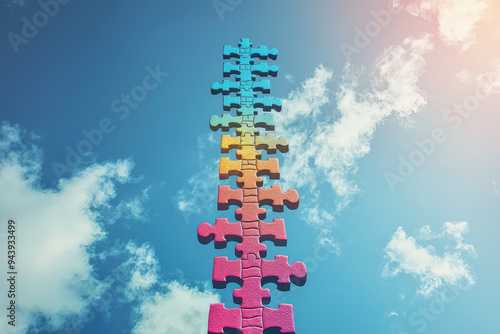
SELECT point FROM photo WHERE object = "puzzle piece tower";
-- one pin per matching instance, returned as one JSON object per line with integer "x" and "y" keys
{"x": 245, "y": 93}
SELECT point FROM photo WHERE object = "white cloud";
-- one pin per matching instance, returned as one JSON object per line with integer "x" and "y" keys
{"x": 457, "y": 18}
{"x": 394, "y": 92}
{"x": 486, "y": 83}
{"x": 391, "y": 314}
{"x": 405, "y": 255}
{"x": 179, "y": 310}
{"x": 456, "y": 230}
{"x": 143, "y": 269}
{"x": 129, "y": 209}
{"x": 306, "y": 101}
{"x": 289, "y": 77}
{"x": 132, "y": 209}
{"x": 300, "y": 111}
{"x": 201, "y": 191}
{"x": 322, "y": 220}
{"x": 57, "y": 229}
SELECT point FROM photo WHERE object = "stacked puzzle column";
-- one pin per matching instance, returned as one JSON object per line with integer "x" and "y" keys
{"x": 244, "y": 94}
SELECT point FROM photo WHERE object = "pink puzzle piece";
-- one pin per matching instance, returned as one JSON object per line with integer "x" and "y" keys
{"x": 276, "y": 229}
{"x": 280, "y": 268}
{"x": 251, "y": 245}
{"x": 220, "y": 317}
{"x": 224, "y": 231}
{"x": 223, "y": 269}
{"x": 281, "y": 318}
{"x": 252, "y": 293}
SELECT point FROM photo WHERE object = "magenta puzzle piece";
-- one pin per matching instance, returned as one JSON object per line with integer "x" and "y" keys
{"x": 245, "y": 98}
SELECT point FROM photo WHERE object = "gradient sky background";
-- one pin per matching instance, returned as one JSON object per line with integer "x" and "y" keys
{"x": 396, "y": 240}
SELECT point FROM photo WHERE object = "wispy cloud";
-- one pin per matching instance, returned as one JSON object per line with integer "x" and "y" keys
{"x": 323, "y": 220}
{"x": 391, "y": 314}
{"x": 457, "y": 19}
{"x": 405, "y": 254}
{"x": 142, "y": 268}
{"x": 296, "y": 122}
{"x": 201, "y": 191}
{"x": 488, "y": 80}
{"x": 130, "y": 209}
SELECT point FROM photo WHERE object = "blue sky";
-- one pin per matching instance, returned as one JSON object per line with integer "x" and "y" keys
{"x": 108, "y": 164}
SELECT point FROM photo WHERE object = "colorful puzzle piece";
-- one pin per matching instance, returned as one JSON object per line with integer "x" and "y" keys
{"x": 245, "y": 50}
{"x": 243, "y": 124}
{"x": 251, "y": 271}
